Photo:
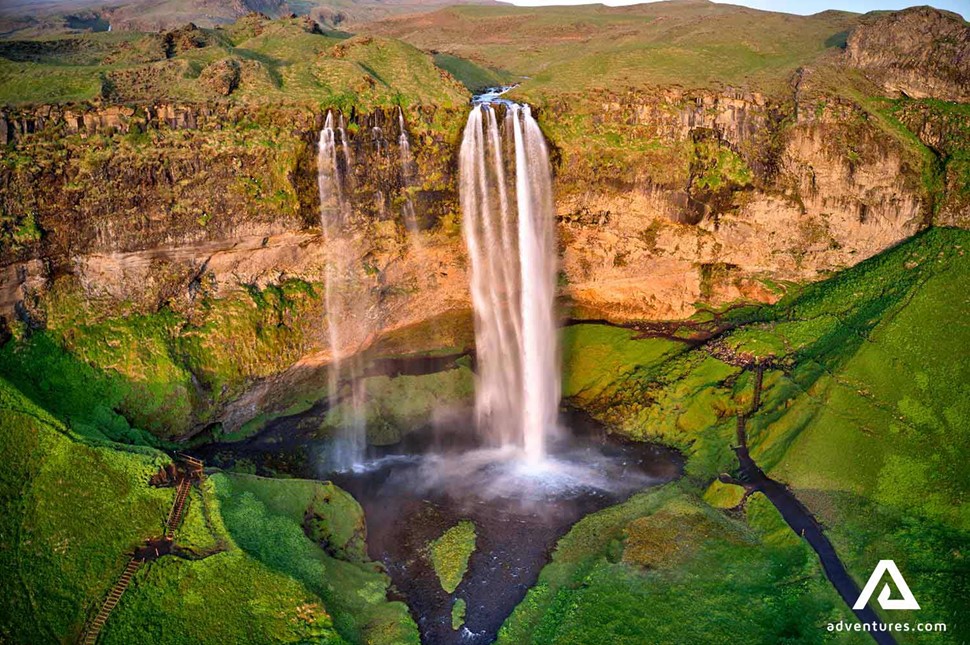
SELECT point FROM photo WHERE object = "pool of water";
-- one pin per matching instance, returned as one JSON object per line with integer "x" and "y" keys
{"x": 439, "y": 475}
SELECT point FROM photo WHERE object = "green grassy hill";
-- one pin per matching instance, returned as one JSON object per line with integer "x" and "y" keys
{"x": 74, "y": 508}
{"x": 570, "y": 49}
{"x": 254, "y": 60}
{"x": 864, "y": 412}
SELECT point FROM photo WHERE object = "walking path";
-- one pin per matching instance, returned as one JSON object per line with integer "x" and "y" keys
{"x": 186, "y": 474}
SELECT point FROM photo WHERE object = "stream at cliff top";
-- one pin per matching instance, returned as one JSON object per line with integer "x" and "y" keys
{"x": 438, "y": 475}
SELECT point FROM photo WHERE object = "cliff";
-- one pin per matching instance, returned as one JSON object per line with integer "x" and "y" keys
{"x": 668, "y": 202}
{"x": 136, "y": 233}
{"x": 919, "y": 52}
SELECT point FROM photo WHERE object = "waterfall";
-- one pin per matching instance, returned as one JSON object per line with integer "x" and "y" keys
{"x": 511, "y": 246}
{"x": 348, "y": 449}
{"x": 407, "y": 169}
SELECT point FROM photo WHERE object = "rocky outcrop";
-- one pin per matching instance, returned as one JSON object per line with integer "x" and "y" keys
{"x": 919, "y": 52}
{"x": 667, "y": 201}
{"x": 711, "y": 198}
{"x": 732, "y": 195}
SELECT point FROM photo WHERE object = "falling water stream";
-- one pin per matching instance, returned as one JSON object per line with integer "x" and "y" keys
{"x": 407, "y": 174}
{"x": 506, "y": 200}
{"x": 342, "y": 304}
{"x": 512, "y": 461}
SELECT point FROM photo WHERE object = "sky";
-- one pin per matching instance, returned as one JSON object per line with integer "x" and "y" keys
{"x": 802, "y": 7}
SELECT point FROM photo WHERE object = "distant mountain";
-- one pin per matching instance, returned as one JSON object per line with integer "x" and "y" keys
{"x": 30, "y": 18}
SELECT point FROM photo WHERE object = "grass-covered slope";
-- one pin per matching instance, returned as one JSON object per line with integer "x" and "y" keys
{"x": 119, "y": 377}
{"x": 666, "y": 568}
{"x": 571, "y": 49}
{"x": 864, "y": 409}
{"x": 70, "y": 511}
{"x": 254, "y": 60}
{"x": 273, "y": 584}
{"x": 260, "y": 560}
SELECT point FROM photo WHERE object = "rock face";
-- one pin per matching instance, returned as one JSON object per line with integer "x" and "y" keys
{"x": 920, "y": 52}
{"x": 733, "y": 194}
{"x": 667, "y": 202}
{"x": 723, "y": 196}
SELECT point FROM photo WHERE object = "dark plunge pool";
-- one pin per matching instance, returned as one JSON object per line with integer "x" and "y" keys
{"x": 438, "y": 476}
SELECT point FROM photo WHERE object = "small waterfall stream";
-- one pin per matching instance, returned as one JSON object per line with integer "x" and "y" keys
{"x": 508, "y": 215}
{"x": 407, "y": 173}
{"x": 339, "y": 296}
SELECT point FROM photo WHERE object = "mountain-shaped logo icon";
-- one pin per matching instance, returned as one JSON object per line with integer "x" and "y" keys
{"x": 908, "y": 601}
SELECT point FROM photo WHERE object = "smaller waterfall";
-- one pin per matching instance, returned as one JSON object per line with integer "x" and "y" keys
{"x": 377, "y": 136}
{"x": 338, "y": 295}
{"x": 407, "y": 174}
{"x": 511, "y": 246}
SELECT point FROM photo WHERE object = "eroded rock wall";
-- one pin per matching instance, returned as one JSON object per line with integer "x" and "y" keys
{"x": 667, "y": 201}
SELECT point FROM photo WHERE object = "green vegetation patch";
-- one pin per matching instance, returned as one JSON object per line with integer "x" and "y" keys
{"x": 458, "y": 613}
{"x": 474, "y": 77}
{"x": 272, "y": 582}
{"x": 666, "y": 567}
{"x": 71, "y": 512}
{"x": 449, "y": 554}
{"x": 123, "y": 375}
{"x": 253, "y": 61}
{"x": 862, "y": 409}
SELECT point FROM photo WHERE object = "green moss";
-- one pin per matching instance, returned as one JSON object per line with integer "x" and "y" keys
{"x": 397, "y": 405}
{"x": 70, "y": 513}
{"x": 472, "y": 76}
{"x": 861, "y": 411}
{"x": 721, "y": 495}
{"x": 666, "y": 565}
{"x": 270, "y": 533}
{"x": 449, "y": 554}
{"x": 458, "y": 613}
{"x": 121, "y": 375}
{"x": 331, "y": 516}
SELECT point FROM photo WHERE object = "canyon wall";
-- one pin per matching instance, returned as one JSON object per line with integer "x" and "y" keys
{"x": 667, "y": 201}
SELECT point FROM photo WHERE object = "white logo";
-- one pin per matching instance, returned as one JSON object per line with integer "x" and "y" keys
{"x": 908, "y": 601}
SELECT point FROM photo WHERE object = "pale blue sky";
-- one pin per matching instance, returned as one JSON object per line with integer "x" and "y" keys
{"x": 803, "y": 7}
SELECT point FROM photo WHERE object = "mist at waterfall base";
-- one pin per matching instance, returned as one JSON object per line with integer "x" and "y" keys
{"x": 511, "y": 461}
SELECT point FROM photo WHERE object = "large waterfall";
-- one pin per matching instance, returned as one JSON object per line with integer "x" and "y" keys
{"x": 342, "y": 297}
{"x": 507, "y": 206}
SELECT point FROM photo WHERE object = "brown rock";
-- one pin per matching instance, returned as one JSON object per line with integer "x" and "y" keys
{"x": 921, "y": 52}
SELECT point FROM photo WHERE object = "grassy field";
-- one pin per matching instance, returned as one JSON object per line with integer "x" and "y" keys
{"x": 273, "y": 583}
{"x": 70, "y": 511}
{"x": 268, "y": 62}
{"x": 572, "y": 49}
{"x": 74, "y": 510}
{"x": 863, "y": 412}
{"x": 665, "y": 564}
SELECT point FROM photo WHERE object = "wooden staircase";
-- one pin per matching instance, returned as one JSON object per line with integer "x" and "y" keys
{"x": 90, "y": 636}
{"x": 94, "y": 629}
{"x": 175, "y": 516}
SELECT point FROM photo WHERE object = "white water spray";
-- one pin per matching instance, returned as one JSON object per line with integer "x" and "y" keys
{"x": 407, "y": 169}
{"x": 350, "y": 444}
{"x": 513, "y": 273}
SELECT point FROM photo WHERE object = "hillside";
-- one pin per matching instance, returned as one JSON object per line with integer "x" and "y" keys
{"x": 254, "y": 60}
{"x": 690, "y": 43}
{"x": 737, "y": 194}
{"x": 26, "y": 19}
